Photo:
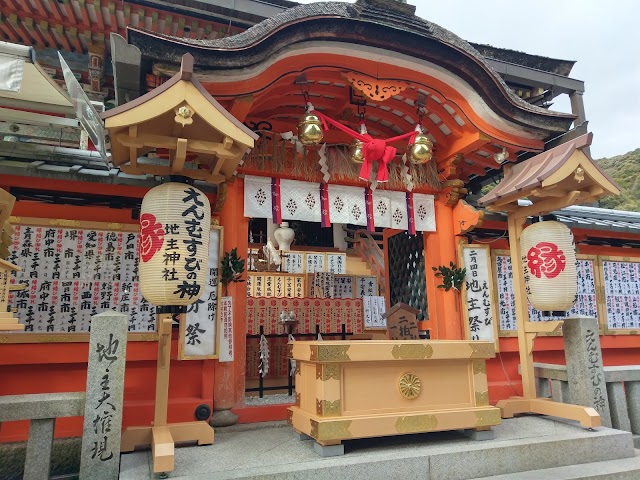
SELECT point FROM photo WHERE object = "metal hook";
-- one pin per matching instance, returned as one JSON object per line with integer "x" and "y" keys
{"x": 361, "y": 112}
{"x": 420, "y": 112}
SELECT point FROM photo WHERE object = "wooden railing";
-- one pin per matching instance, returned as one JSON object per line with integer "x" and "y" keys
{"x": 368, "y": 246}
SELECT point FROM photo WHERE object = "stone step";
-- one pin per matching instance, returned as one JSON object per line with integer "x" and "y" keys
{"x": 621, "y": 469}
{"x": 522, "y": 445}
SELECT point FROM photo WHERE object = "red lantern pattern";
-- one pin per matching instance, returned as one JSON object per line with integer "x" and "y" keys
{"x": 546, "y": 259}
{"x": 151, "y": 236}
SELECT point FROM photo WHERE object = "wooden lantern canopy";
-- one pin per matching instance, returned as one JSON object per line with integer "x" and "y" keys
{"x": 177, "y": 129}
{"x": 175, "y": 220}
{"x": 555, "y": 179}
{"x": 549, "y": 266}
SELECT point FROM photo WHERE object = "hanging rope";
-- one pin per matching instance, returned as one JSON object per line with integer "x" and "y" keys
{"x": 374, "y": 150}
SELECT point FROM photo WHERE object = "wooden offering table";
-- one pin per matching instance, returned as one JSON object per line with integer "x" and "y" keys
{"x": 357, "y": 389}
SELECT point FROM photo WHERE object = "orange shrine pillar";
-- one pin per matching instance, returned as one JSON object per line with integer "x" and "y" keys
{"x": 228, "y": 389}
{"x": 440, "y": 249}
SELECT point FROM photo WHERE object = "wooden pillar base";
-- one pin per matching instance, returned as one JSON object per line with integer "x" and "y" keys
{"x": 587, "y": 416}
{"x": 163, "y": 438}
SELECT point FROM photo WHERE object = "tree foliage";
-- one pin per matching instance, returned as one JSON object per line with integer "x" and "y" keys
{"x": 625, "y": 170}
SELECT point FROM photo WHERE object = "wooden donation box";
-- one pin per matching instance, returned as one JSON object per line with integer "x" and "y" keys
{"x": 357, "y": 389}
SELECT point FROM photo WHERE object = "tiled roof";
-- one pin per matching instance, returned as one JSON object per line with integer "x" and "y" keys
{"x": 388, "y": 13}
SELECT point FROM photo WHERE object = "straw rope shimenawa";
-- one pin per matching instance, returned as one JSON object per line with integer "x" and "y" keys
{"x": 549, "y": 264}
{"x": 175, "y": 220}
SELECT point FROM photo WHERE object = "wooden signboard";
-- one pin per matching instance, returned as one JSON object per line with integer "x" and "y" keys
{"x": 293, "y": 262}
{"x": 366, "y": 286}
{"x": 199, "y": 329}
{"x": 315, "y": 262}
{"x": 479, "y": 308}
{"x": 374, "y": 309}
{"x": 620, "y": 307}
{"x": 75, "y": 269}
{"x": 402, "y": 322}
{"x": 337, "y": 263}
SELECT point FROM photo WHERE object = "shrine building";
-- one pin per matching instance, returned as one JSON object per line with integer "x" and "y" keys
{"x": 344, "y": 149}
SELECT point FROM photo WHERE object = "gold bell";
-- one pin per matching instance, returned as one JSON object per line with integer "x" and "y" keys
{"x": 356, "y": 155}
{"x": 310, "y": 129}
{"x": 421, "y": 150}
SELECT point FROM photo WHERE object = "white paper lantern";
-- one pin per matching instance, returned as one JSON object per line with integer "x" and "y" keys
{"x": 175, "y": 220}
{"x": 549, "y": 264}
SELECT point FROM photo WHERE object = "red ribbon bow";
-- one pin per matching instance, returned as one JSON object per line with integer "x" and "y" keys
{"x": 373, "y": 149}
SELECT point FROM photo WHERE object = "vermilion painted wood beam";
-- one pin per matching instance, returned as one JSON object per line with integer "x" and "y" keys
{"x": 43, "y": 28}
{"x": 86, "y": 22}
{"x": 434, "y": 107}
{"x": 475, "y": 168}
{"x": 140, "y": 13}
{"x": 180, "y": 30}
{"x": 33, "y": 32}
{"x": 241, "y": 107}
{"x": 113, "y": 21}
{"x": 468, "y": 143}
{"x": 168, "y": 24}
{"x": 288, "y": 93}
{"x": 56, "y": 10}
{"x": 7, "y": 29}
{"x": 75, "y": 41}
{"x": 58, "y": 32}
{"x": 488, "y": 162}
{"x": 20, "y": 29}
{"x": 127, "y": 15}
{"x": 23, "y": 7}
{"x": 381, "y": 130}
{"x": 38, "y": 8}
{"x": 96, "y": 5}
{"x": 77, "y": 12}
{"x": 66, "y": 11}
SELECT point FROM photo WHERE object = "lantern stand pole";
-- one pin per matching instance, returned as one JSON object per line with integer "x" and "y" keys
{"x": 527, "y": 332}
{"x": 161, "y": 435}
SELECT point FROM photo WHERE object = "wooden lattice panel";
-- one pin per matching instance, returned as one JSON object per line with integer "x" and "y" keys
{"x": 407, "y": 279}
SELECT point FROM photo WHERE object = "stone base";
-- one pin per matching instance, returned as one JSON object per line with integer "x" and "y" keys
{"x": 480, "y": 434}
{"x": 328, "y": 450}
{"x": 523, "y": 448}
{"x": 223, "y": 418}
{"x": 303, "y": 436}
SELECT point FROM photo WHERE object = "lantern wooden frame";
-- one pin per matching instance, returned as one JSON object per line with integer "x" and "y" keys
{"x": 555, "y": 179}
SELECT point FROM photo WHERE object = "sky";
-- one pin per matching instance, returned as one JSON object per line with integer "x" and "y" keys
{"x": 602, "y": 36}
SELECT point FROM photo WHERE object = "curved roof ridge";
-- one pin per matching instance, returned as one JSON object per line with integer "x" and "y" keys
{"x": 367, "y": 11}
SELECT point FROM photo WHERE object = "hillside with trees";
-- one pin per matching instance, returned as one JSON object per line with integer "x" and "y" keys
{"x": 625, "y": 170}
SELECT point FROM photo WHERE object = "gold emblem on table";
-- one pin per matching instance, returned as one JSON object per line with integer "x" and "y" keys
{"x": 409, "y": 386}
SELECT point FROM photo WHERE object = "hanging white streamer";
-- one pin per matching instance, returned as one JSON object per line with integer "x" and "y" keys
{"x": 406, "y": 176}
{"x": 289, "y": 136}
{"x": 324, "y": 167}
{"x": 320, "y": 337}
{"x": 374, "y": 185}
{"x": 293, "y": 362}
{"x": 263, "y": 369}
